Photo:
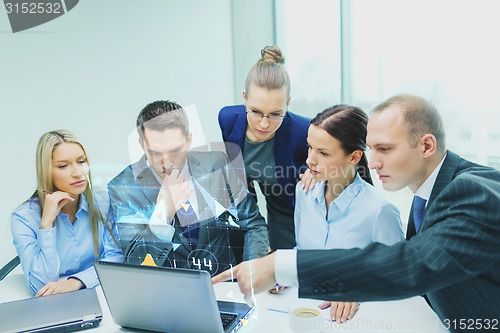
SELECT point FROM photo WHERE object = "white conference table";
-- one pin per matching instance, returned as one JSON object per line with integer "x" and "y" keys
{"x": 408, "y": 315}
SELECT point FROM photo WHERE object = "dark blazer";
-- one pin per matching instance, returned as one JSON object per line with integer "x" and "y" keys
{"x": 454, "y": 258}
{"x": 290, "y": 148}
{"x": 133, "y": 194}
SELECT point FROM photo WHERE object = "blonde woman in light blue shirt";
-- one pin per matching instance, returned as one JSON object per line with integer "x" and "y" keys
{"x": 343, "y": 210}
{"x": 61, "y": 230}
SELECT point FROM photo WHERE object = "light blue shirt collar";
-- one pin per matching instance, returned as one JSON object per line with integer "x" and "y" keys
{"x": 345, "y": 198}
{"x": 358, "y": 217}
{"x": 83, "y": 206}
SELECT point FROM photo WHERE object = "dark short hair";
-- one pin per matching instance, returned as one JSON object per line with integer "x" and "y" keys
{"x": 420, "y": 116}
{"x": 161, "y": 115}
{"x": 348, "y": 125}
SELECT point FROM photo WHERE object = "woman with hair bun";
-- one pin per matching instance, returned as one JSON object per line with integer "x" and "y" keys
{"x": 272, "y": 141}
{"x": 343, "y": 210}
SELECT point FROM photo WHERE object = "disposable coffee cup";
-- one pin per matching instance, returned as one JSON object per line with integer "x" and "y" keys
{"x": 305, "y": 317}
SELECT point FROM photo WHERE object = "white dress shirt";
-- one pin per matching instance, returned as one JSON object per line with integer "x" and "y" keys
{"x": 425, "y": 190}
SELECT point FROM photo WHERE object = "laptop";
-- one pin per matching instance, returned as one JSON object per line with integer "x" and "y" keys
{"x": 71, "y": 311}
{"x": 167, "y": 299}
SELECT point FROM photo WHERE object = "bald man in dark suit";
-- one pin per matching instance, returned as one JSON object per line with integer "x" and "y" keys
{"x": 453, "y": 250}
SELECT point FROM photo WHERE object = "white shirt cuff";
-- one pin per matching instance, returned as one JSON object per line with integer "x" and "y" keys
{"x": 285, "y": 268}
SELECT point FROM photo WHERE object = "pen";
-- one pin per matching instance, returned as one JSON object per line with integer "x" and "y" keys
{"x": 43, "y": 191}
{"x": 277, "y": 286}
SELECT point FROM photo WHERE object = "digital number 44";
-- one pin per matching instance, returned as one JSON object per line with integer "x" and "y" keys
{"x": 197, "y": 263}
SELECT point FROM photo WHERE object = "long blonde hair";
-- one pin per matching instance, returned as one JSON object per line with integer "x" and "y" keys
{"x": 45, "y": 148}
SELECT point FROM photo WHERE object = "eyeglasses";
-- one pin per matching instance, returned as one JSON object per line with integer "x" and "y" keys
{"x": 255, "y": 115}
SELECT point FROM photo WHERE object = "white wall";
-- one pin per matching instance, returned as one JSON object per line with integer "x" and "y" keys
{"x": 253, "y": 29}
{"x": 93, "y": 69}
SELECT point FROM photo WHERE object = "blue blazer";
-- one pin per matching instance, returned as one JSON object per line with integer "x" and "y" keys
{"x": 290, "y": 145}
{"x": 454, "y": 258}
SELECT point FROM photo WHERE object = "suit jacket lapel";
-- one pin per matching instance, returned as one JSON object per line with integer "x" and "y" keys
{"x": 146, "y": 181}
{"x": 199, "y": 172}
{"x": 239, "y": 129}
{"x": 282, "y": 141}
{"x": 410, "y": 230}
{"x": 283, "y": 155}
{"x": 445, "y": 176}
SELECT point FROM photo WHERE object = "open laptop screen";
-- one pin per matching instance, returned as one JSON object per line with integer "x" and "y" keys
{"x": 163, "y": 299}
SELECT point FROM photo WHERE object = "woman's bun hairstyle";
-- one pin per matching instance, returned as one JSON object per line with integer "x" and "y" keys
{"x": 272, "y": 53}
{"x": 269, "y": 72}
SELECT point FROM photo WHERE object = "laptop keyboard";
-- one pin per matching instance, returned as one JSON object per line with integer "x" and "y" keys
{"x": 227, "y": 318}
